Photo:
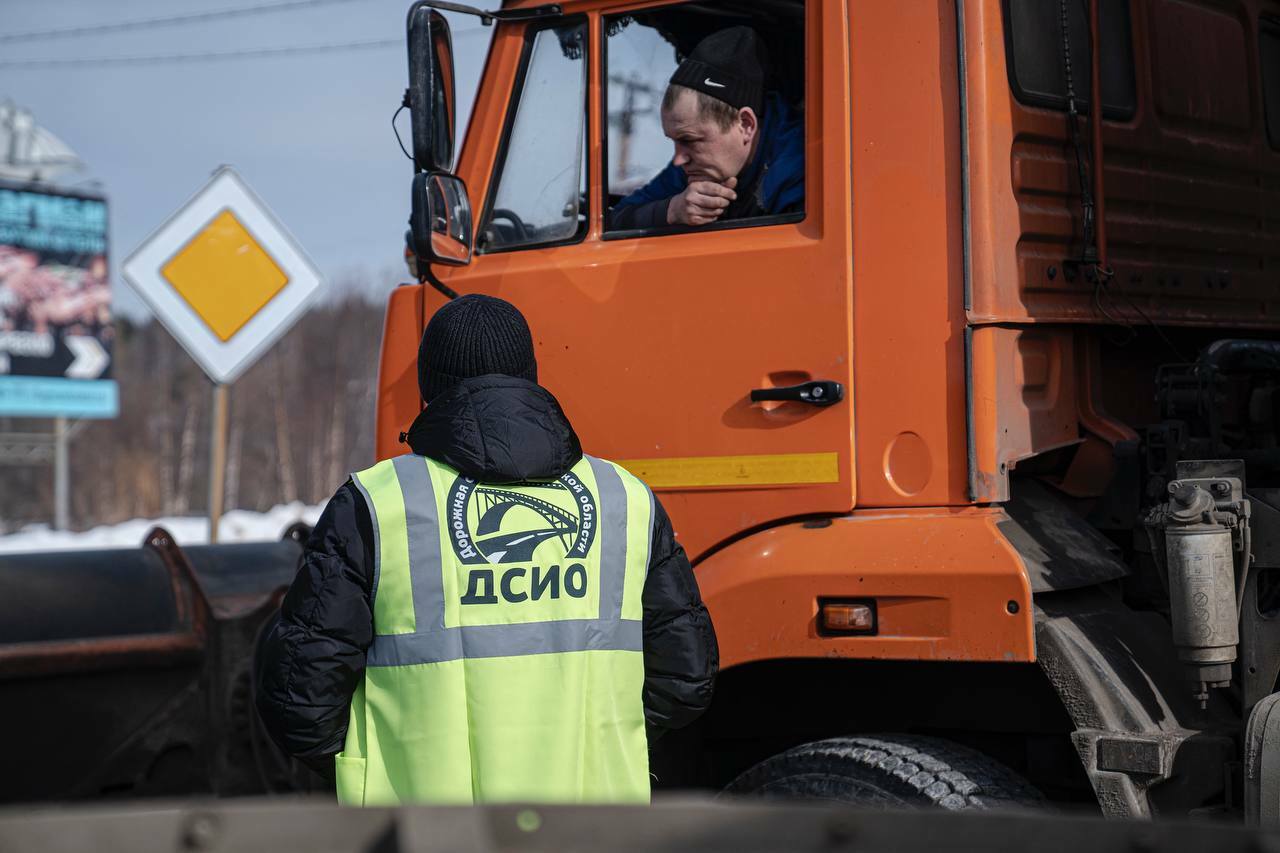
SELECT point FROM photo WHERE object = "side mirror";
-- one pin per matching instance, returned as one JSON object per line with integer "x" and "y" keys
{"x": 431, "y": 89}
{"x": 440, "y": 222}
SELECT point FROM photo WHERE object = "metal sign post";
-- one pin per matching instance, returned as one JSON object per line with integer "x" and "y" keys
{"x": 61, "y": 476}
{"x": 227, "y": 280}
{"x": 217, "y": 458}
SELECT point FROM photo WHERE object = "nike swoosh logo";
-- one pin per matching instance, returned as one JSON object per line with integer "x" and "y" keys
{"x": 710, "y": 82}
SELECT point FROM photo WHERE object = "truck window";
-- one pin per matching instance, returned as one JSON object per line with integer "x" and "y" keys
{"x": 642, "y": 51}
{"x": 540, "y": 190}
{"x": 1269, "y": 53}
{"x": 1037, "y": 61}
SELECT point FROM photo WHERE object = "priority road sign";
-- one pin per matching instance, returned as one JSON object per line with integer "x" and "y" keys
{"x": 223, "y": 276}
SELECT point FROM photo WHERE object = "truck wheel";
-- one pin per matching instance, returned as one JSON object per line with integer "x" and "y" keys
{"x": 888, "y": 771}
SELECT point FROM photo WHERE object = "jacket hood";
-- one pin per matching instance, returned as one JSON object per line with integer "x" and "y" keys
{"x": 497, "y": 429}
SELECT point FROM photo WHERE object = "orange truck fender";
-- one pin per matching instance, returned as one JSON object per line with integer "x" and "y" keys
{"x": 945, "y": 583}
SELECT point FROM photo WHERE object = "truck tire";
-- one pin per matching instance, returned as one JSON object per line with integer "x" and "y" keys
{"x": 889, "y": 771}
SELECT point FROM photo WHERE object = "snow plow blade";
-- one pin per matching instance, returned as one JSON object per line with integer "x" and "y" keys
{"x": 126, "y": 672}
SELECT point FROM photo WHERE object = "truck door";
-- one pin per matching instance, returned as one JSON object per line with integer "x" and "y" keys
{"x": 653, "y": 339}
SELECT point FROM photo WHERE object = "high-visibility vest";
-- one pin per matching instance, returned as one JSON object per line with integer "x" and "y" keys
{"x": 507, "y": 660}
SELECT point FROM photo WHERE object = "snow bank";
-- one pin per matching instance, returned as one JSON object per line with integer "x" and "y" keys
{"x": 236, "y": 526}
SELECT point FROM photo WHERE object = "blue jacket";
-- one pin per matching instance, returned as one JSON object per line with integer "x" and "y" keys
{"x": 772, "y": 183}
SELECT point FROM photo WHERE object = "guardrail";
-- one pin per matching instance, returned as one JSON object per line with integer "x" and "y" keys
{"x": 314, "y": 825}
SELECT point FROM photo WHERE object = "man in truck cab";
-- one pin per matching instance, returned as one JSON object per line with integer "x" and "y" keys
{"x": 493, "y": 615}
{"x": 739, "y": 150}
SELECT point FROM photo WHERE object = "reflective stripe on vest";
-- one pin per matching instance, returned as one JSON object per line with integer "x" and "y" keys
{"x": 434, "y": 642}
{"x": 455, "y": 585}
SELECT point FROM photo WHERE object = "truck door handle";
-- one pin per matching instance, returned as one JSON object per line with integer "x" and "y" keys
{"x": 820, "y": 392}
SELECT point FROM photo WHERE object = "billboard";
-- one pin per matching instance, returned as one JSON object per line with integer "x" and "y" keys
{"x": 55, "y": 304}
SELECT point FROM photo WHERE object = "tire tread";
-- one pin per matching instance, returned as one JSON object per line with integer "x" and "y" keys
{"x": 937, "y": 771}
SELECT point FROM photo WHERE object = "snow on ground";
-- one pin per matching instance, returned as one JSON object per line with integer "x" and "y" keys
{"x": 236, "y": 526}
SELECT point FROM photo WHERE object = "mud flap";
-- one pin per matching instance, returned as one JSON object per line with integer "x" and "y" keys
{"x": 1262, "y": 764}
{"x": 1146, "y": 746}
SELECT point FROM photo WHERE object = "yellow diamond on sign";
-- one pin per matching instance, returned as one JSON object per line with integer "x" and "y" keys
{"x": 224, "y": 275}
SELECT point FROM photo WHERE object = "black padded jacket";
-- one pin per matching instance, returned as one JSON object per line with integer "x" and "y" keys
{"x": 497, "y": 429}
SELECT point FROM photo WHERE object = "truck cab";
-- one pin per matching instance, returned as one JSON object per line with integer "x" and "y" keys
{"x": 938, "y": 444}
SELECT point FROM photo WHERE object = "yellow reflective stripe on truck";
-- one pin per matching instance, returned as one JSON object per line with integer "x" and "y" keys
{"x": 777, "y": 469}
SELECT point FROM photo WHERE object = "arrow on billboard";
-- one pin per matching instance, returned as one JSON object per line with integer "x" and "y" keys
{"x": 90, "y": 358}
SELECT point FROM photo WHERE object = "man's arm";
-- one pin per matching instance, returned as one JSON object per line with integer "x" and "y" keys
{"x": 700, "y": 203}
{"x": 651, "y": 214}
{"x": 647, "y": 206}
{"x": 669, "y": 199}
{"x": 680, "y": 652}
{"x": 311, "y": 660}
{"x": 661, "y": 186}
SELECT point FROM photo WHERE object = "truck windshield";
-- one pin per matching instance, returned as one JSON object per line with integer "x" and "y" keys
{"x": 541, "y": 183}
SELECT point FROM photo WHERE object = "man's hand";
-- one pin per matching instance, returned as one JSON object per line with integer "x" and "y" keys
{"x": 701, "y": 203}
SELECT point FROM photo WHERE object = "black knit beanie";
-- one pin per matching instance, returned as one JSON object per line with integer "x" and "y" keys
{"x": 727, "y": 65}
{"x": 474, "y": 335}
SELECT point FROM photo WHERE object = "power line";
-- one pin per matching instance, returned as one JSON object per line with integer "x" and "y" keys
{"x": 252, "y": 53}
{"x": 168, "y": 21}
{"x": 201, "y": 57}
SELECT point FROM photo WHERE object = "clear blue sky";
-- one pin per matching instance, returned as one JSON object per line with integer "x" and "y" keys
{"x": 311, "y": 133}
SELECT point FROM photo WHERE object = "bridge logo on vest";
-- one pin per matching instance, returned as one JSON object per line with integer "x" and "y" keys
{"x": 546, "y": 521}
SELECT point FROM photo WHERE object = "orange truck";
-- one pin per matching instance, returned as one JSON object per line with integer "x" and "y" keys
{"x": 977, "y": 457}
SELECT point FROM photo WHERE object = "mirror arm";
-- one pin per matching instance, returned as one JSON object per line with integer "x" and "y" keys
{"x": 429, "y": 277}
{"x": 548, "y": 10}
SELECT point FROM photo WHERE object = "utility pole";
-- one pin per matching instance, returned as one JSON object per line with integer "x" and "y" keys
{"x": 624, "y": 119}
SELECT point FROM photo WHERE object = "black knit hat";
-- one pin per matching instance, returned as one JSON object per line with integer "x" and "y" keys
{"x": 727, "y": 65}
{"x": 474, "y": 335}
